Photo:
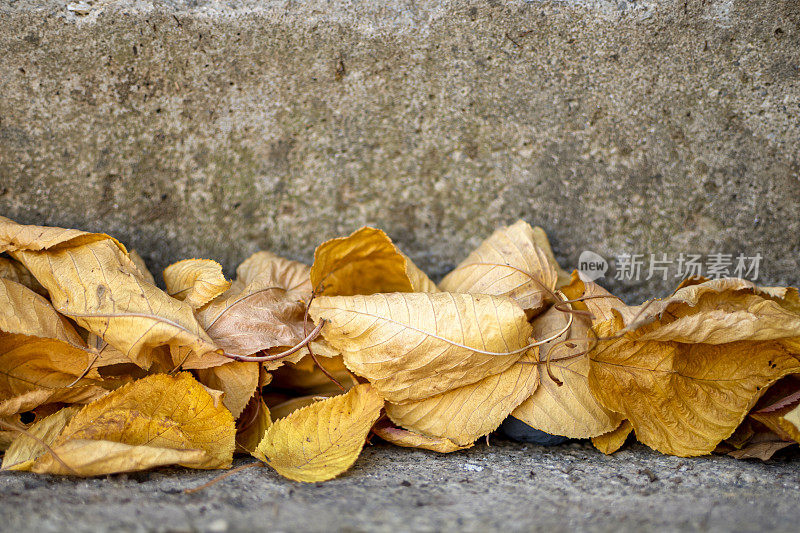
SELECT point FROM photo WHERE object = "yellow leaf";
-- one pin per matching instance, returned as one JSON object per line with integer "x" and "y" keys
{"x": 292, "y": 276}
{"x": 365, "y": 262}
{"x": 409, "y": 439}
{"x": 541, "y": 240}
{"x": 92, "y": 280}
{"x": 195, "y": 281}
{"x": 142, "y": 266}
{"x": 155, "y": 421}
{"x": 238, "y": 380}
{"x": 464, "y": 414}
{"x": 256, "y": 419}
{"x": 263, "y": 309}
{"x": 683, "y": 398}
{"x": 612, "y": 441}
{"x": 321, "y": 441}
{"x": 569, "y": 409}
{"x": 413, "y": 346}
{"x": 304, "y": 376}
{"x": 32, "y": 399}
{"x": 25, "y": 450}
{"x": 598, "y": 301}
{"x": 509, "y": 263}
{"x": 15, "y": 271}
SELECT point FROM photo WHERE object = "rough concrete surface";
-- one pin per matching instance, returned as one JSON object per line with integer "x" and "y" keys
{"x": 505, "y": 487}
{"x": 214, "y": 129}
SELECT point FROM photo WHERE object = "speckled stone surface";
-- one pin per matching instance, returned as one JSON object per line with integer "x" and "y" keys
{"x": 213, "y": 129}
{"x": 505, "y": 487}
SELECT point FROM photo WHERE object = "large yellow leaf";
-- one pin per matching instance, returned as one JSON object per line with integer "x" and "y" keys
{"x": 683, "y": 398}
{"x": 413, "y": 346}
{"x": 321, "y": 441}
{"x": 195, "y": 281}
{"x": 464, "y": 414}
{"x": 366, "y": 262}
{"x": 238, "y": 380}
{"x": 508, "y": 263}
{"x": 91, "y": 279}
{"x": 409, "y": 439}
{"x": 569, "y": 409}
{"x": 157, "y": 420}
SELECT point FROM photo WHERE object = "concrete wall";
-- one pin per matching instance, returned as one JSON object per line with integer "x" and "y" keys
{"x": 214, "y": 129}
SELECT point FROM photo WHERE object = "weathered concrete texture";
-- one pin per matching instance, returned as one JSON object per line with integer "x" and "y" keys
{"x": 505, "y": 487}
{"x": 217, "y": 128}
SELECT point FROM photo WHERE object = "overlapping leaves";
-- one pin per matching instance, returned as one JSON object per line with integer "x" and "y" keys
{"x": 298, "y": 364}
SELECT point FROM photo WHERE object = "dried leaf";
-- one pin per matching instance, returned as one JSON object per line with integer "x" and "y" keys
{"x": 509, "y": 263}
{"x": 366, "y": 262}
{"x": 682, "y": 398}
{"x": 569, "y": 409}
{"x": 306, "y": 378}
{"x": 151, "y": 422}
{"x": 237, "y": 380}
{"x": 292, "y": 276}
{"x": 25, "y": 450}
{"x": 15, "y": 271}
{"x": 409, "y": 439}
{"x": 612, "y": 441}
{"x": 92, "y": 280}
{"x": 255, "y": 421}
{"x": 137, "y": 260}
{"x": 414, "y": 346}
{"x": 195, "y": 281}
{"x": 761, "y": 446}
{"x": 32, "y": 399}
{"x": 321, "y": 441}
{"x": 467, "y": 413}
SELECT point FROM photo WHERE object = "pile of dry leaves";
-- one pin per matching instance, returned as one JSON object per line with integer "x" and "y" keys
{"x": 104, "y": 372}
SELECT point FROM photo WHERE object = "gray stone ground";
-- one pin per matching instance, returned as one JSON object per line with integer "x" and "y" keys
{"x": 505, "y": 487}
{"x": 215, "y": 128}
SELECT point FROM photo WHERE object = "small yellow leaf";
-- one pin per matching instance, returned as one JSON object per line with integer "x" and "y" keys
{"x": 195, "y": 281}
{"x": 255, "y": 420}
{"x": 238, "y": 380}
{"x": 508, "y": 263}
{"x": 321, "y": 441}
{"x": 366, "y": 262}
{"x": 417, "y": 345}
{"x": 612, "y": 441}
{"x": 409, "y": 439}
{"x": 464, "y": 414}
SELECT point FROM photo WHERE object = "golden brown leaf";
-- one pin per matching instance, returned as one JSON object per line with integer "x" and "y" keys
{"x": 30, "y": 400}
{"x": 508, "y": 263}
{"x": 15, "y": 271}
{"x": 612, "y": 441}
{"x": 321, "y": 441}
{"x": 414, "y": 346}
{"x": 237, "y": 380}
{"x": 256, "y": 419}
{"x": 569, "y": 409}
{"x": 91, "y": 279}
{"x": 683, "y": 398}
{"x": 467, "y": 413}
{"x": 292, "y": 276}
{"x": 151, "y": 422}
{"x": 195, "y": 281}
{"x": 409, "y": 439}
{"x": 366, "y": 262}
{"x": 306, "y": 378}
{"x": 25, "y": 450}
